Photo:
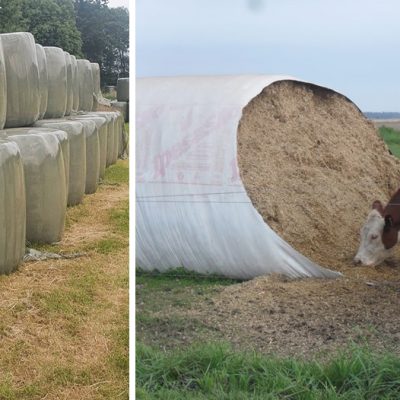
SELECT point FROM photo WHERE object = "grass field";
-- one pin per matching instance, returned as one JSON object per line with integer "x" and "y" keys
{"x": 392, "y": 139}
{"x": 181, "y": 358}
{"x": 64, "y": 323}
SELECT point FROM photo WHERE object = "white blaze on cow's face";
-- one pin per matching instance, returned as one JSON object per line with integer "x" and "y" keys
{"x": 372, "y": 251}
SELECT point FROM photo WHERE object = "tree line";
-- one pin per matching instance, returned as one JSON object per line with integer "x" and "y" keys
{"x": 85, "y": 28}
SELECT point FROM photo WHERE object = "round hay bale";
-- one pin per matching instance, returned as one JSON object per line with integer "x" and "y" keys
{"x": 57, "y": 83}
{"x": 75, "y": 84}
{"x": 123, "y": 89}
{"x": 92, "y": 153}
{"x": 250, "y": 175}
{"x": 63, "y": 139}
{"x": 22, "y": 72}
{"x": 111, "y": 134}
{"x": 43, "y": 79}
{"x": 70, "y": 87}
{"x": 85, "y": 79}
{"x": 3, "y": 88}
{"x": 44, "y": 184}
{"x": 123, "y": 108}
{"x": 12, "y": 207}
{"x": 101, "y": 124}
{"x": 77, "y": 156}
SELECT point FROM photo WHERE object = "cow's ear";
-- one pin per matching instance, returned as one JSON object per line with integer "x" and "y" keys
{"x": 377, "y": 205}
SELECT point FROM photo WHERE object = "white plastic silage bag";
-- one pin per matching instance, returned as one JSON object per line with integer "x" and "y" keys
{"x": 44, "y": 183}
{"x": 22, "y": 72}
{"x": 43, "y": 79}
{"x": 75, "y": 84}
{"x": 57, "y": 83}
{"x": 111, "y": 134}
{"x": 12, "y": 206}
{"x": 70, "y": 88}
{"x": 85, "y": 79}
{"x": 77, "y": 156}
{"x": 192, "y": 208}
{"x": 3, "y": 88}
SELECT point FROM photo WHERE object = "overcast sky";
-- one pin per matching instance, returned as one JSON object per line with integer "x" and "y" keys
{"x": 350, "y": 46}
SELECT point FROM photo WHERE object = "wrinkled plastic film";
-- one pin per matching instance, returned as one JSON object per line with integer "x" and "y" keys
{"x": 85, "y": 79}
{"x": 70, "y": 93}
{"x": 22, "y": 73}
{"x": 12, "y": 207}
{"x": 44, "y": 184}
{"x": 57, "y": 82}
{"x": 43, "y": 79}
{"x": 192, "y": 209}
{"x": 3, "y": 88}
{"x": 75, "y": 85}
{"x": 77, "y": 148}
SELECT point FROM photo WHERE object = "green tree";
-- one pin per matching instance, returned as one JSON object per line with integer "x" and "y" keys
{"x": 11, "y": 16}
{"x": 105, "y": 37}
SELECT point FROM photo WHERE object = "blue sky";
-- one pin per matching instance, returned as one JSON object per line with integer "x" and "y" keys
{"x": 351, "y": 46}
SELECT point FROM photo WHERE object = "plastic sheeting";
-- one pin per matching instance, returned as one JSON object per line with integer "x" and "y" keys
{"x": 70, "y": 88}
{"x": 43, "y": 79}
{"x": 63, "y": 139}
{"x": 192, "y": 207}
{"x": 110, "y": 116}
{"x": 123, "y": 108}
{"x": 85, "y": 80}
{"x": 22, "y": 72}
{"x": 12, "y": 207}
{"x": 101, "y": 124}
{"x": 45, "y": 186}
{"x": 75, "y": 84}
{"x": 57, "y": 82}
{"x": 92, "y": 153}
{"x": 77, "y": 154}
{"x": 123, "y": 89}
{"x": 3, "y": 88}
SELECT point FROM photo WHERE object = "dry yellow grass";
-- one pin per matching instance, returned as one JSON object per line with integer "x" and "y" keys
{"x": 64, "y": 323}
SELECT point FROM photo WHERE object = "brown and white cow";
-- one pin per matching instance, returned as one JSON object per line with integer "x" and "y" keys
{"x": 380, "y": 233}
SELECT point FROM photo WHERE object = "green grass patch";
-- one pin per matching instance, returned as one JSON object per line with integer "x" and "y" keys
{"x": 392, "y": 139}
{"x": 117, "y": 174}
{"x": 120, "y": 218}
{"x": 107, "y": 246}
{"x": 216, "y": 371}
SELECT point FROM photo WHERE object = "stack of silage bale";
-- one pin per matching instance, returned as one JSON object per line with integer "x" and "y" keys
{"x": 54, "y": 147}
{"x": 122, "y": 102}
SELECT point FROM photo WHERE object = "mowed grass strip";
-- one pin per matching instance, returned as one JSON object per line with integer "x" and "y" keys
{"x": 215, "y": 371}
{"x": 64, "y": 323}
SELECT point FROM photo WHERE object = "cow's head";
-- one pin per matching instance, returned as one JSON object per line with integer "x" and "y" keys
{"x": 378, "y": 236}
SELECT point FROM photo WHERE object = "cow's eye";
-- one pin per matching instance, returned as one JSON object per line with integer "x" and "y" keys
{"x": 374, "y": 237}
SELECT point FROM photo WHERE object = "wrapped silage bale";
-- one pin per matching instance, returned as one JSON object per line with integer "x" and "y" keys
{"x": 45, "y": 185}
{"x": 92, "y": 153}
{"x": 77, "y": 154}
{"x": 85, "y": 79}
{"x": 96, "y": 85}
{"x": 3, "y": 88}
{"x": 22, "y": 73}
{"x": 63, "y": 139}
{"x": 75, "y": 84}
{"x": 43, "y": 79}
{"x": 70, "y": 93}
{"x": 123, "y": 89}
{"x": 122, "y": 135}
{"x": 12, "y": 206}
{"x": 101, "y": 125}
{"x": 111, "y": 118}
{"x": 123, "y": 107}
{"x": 57, "y": 83}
